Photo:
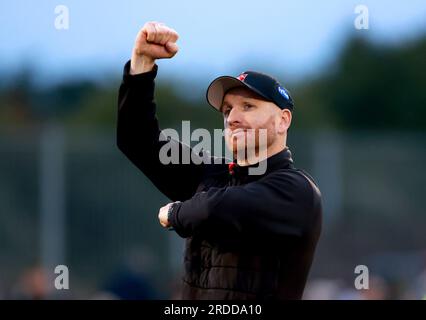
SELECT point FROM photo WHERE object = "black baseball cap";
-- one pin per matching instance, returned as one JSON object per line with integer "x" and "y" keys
{"x": 262, "y": 84}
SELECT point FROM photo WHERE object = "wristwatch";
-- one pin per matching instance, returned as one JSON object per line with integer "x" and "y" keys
{"x": 170, "y": 213}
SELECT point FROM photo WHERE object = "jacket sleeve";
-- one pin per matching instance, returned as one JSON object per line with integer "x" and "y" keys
{"x": 280, "y": 204}
{"x": 138, "y": 137}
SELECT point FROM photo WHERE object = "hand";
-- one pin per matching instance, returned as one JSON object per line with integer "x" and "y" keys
{"x": 154, "y": 41}
{"x": 163, "y": 215}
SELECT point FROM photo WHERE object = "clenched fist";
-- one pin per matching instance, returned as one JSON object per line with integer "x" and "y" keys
{"x": 154, "y": 41}
{"x": 163, "y": 216}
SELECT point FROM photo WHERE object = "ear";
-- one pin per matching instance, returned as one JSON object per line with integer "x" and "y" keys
{"x": 284, "y": 121}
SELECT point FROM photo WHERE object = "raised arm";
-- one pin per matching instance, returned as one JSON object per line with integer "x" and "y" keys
{"x": 138, "y": 131}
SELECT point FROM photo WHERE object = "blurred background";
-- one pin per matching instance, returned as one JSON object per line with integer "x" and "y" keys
{"x": 69, "y": 197}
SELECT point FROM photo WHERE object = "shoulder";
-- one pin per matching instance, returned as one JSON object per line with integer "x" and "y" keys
{"x": 298, "y": 193}
{"x": 295, "y": 184}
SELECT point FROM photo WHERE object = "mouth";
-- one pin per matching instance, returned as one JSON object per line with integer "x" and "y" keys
{"x": 237, "y": 131}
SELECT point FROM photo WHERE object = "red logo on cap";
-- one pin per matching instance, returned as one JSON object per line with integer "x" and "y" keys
{"x": 242, "y": 76}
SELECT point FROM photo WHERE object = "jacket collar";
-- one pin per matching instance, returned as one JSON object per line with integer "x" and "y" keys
{"x": 280, "y": 160}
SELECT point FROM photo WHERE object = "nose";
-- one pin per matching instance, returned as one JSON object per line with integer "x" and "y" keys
{"x": 234, "y": 118}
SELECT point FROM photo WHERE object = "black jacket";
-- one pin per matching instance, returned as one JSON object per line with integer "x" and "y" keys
{"x": 248, "y": 236}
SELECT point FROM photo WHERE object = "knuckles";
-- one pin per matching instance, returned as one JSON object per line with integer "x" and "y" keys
{"x": 157, "y": 31}
{"x": 159, "y": 34}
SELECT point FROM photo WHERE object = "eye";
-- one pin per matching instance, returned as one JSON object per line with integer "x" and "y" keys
{"x": 226, "y": 110}
{"x": 247, "y": 106}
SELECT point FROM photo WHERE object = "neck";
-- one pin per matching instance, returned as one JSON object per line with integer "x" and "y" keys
{"x": 250, "y": 158}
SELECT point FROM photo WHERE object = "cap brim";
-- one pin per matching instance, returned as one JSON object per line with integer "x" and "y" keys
{"x": 217, "y": 89}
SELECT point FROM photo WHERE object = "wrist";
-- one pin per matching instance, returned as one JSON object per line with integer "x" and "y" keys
{"x": 170, "y": 214}
{"x": 141, "y": 64}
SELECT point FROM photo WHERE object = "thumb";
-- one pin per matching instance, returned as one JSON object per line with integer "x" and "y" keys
{"x": 172, "y": 47}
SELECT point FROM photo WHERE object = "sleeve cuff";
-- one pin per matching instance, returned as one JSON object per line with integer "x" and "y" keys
{"x": 174, "y": 221}
{"x": 138, "y": 78}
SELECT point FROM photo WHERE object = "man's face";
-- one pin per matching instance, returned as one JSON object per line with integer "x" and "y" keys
{"x": 245, "y": 113}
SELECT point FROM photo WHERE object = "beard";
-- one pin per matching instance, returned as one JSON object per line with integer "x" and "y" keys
{"x": 250, "y": 142}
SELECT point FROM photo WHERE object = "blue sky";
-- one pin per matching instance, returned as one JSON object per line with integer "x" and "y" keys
{"x": 291, "y": 38}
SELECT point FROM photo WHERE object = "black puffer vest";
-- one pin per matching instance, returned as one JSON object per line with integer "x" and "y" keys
{"x": 252, "y": 267}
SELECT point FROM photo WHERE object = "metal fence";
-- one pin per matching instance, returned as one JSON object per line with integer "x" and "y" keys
{"x": 69, "y": 197}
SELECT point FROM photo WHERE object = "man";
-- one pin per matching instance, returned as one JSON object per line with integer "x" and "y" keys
{"x": 248, "y": 236}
